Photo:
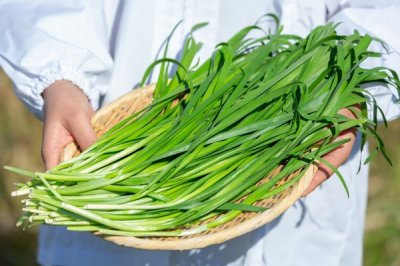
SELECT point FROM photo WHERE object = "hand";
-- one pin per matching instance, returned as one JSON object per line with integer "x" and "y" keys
{"x": 336, "y": 157}
{"x": 67, "y": 118}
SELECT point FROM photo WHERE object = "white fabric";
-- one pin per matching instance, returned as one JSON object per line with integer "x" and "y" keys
{"x": 104, "y": 48}
{"x": 46, "y": 41}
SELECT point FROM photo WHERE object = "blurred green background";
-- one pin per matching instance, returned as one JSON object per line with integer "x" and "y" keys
{"x": 20, "y": 137}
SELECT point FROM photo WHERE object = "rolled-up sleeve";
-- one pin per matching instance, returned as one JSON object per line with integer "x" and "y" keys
{"x": 46, "y": 41}
{"x": 378, "y": 19}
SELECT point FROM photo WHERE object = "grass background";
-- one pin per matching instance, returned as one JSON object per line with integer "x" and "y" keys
{"x": 20, "y": 138}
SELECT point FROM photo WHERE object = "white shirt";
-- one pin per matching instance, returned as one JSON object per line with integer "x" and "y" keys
{"x": 104, "y": 48}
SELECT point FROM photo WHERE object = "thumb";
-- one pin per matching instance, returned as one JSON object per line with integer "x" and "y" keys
{"x": 55, "y": 137}
{"x": 82, "y": 131}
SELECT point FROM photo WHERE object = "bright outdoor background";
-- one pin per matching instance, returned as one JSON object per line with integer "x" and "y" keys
{"x": 20, "y": 137}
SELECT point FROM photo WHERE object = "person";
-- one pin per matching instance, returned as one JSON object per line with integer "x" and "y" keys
{"x": 67, "y": 58}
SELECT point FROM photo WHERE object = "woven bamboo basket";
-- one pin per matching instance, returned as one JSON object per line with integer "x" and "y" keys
{"x": 135, "y": 101}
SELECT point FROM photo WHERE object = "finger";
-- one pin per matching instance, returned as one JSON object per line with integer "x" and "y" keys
{"x": 336, "y": 158}
{"x": 50, "y": 156}
{"x": 323, "y": 173}
{"x": 82, "y": 131}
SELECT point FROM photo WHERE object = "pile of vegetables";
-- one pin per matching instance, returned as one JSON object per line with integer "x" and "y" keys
{"x": 212, "y": 133}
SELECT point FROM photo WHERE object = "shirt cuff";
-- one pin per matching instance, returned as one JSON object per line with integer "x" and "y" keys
{"x": 55, "y": 72}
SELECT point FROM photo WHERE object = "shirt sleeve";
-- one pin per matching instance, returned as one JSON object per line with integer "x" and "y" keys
{"x": 378, "y": 19}
{"x": 45, "y": 41}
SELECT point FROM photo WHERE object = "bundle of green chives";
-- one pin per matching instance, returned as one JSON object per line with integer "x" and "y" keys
{"x": 211, "y": 134}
